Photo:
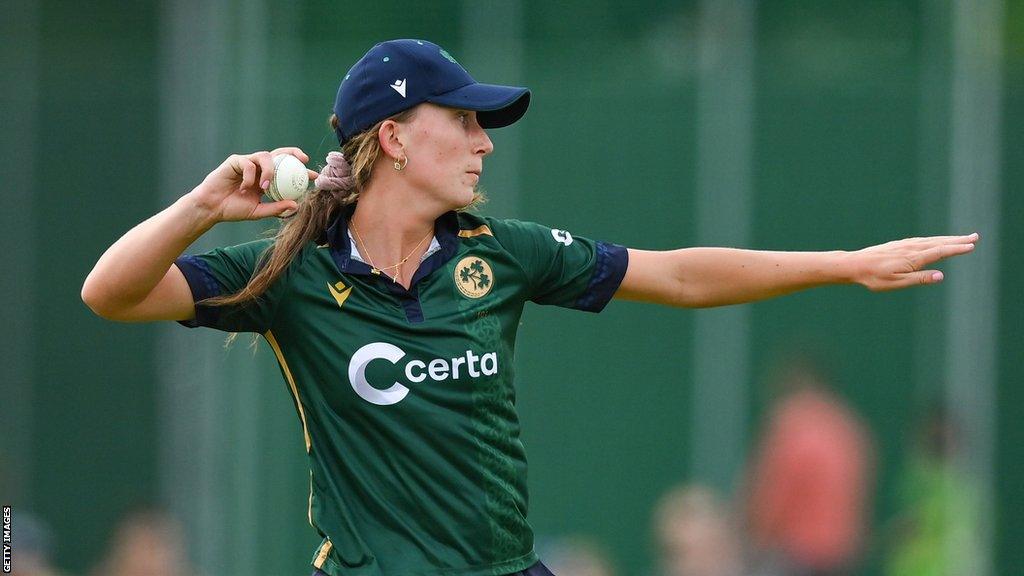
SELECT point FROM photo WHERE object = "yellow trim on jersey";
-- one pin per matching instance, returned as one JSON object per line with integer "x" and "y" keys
{"x": 291, "y": 382}
{"x": 309, "y": 512}
{"x": 480, "y": 230}
{"x": 325, "y": 549}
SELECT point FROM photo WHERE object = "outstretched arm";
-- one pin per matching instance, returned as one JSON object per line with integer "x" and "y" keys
{"x": 706, "y": 277}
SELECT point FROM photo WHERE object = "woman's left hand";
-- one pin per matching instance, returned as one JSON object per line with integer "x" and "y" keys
{"x": 903, "y": 263}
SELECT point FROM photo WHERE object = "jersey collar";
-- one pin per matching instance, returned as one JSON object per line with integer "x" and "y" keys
{"x": 354, "y": 254}
{"x": 446, "y": 231}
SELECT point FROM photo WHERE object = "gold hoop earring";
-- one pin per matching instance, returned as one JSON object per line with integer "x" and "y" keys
{"x": 400, "y": 165}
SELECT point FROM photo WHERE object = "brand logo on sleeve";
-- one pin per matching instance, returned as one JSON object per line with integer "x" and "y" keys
{"x": 474, "y": 277}
{"x": 469, "y": 365}
{"x": 562, "y": 236}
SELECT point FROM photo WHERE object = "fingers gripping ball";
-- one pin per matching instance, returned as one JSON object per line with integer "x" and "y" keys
{"x": 290, "y": 178}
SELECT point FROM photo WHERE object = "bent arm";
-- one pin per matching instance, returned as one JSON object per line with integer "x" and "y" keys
{"x": 706, "y": 277}
{"x": 135, "y": 280}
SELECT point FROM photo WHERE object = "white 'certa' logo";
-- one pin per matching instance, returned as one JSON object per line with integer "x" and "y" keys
{"x": 438, "y": 369}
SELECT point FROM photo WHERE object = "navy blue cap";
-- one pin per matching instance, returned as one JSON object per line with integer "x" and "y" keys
{"x": 399, "y": 74}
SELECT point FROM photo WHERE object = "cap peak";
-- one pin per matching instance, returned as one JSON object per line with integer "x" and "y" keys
{"x": 419, "y": 71}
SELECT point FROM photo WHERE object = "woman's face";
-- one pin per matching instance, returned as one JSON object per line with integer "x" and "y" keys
{"x": 446, "y": 148}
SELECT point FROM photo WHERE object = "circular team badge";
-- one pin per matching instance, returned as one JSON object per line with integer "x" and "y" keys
{"x": 474, "y": 277}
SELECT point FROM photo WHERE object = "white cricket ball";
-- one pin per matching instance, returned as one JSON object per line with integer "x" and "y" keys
{"x": 290, "y": 178}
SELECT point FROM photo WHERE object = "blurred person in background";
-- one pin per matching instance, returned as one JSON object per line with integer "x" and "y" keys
{"x": 32, "y": 546}
{"x": 697, "y": 534}
{"x": 382, "y": 263}
{"x": 576, "y": 555}
{"x": 810, "y": 486}
{"x": 936, "y": 531}
{"x": 145, "y": 542}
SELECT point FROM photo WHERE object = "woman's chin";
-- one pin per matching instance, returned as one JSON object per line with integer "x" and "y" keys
{"x": 465, "y": 197}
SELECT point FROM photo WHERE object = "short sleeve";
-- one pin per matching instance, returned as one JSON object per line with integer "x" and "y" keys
{"x": 224, "y": 271}
{"x": 563, "y": 269}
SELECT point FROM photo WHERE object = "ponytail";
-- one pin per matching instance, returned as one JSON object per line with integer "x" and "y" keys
{"x": 345, "y": 176}
{"x": 338, "y": 186}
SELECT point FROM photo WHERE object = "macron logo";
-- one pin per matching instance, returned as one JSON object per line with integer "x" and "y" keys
{"x": 399, "y": 87}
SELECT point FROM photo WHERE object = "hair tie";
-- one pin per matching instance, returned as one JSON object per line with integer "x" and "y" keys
{"x": 336, "y": 175}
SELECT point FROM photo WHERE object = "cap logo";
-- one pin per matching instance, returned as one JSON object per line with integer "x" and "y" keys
{"x": 399, "y": 87}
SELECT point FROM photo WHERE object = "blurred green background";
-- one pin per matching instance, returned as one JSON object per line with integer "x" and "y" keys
{"x": 782, "y": 124}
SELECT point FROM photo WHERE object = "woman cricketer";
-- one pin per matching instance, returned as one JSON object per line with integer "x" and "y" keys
{"x": 393, "y": 311}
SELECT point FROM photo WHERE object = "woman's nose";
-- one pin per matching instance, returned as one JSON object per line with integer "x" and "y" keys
{"x": 484, "y": 144}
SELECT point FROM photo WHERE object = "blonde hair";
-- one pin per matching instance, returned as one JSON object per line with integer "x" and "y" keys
{"x": 317, "y": 210}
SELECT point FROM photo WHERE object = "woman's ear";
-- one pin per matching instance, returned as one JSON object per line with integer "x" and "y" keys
{"x": 390, "y": 137}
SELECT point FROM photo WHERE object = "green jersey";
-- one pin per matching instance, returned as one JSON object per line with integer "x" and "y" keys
{"x": 406, "y": 397}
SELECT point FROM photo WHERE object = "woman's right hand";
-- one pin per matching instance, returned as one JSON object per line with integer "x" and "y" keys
{"x": 233, "y": 190}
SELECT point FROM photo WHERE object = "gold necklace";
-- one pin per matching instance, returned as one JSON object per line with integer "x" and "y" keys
{"x": 374, "y": 269}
